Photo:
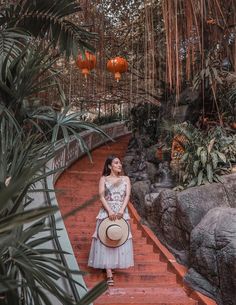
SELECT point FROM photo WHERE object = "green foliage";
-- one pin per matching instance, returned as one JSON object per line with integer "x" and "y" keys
{"x": 29, "y": 269}
{"x": 28, "y": 74}
{"x": 211, "y": 80}
{"x": 145, "y": 119}
{"x": 212, "y": 72}
{"x": 229, "y": 101}
{"x": 208, "y": 154}
{"x": 61, "y": 125}
{"x": 48, "y": 20}
{"x": 12, "y": 41}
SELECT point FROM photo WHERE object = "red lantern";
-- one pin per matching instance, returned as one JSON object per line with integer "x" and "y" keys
{"x": 86, "y": 64}
{"x": 117, "y": 66}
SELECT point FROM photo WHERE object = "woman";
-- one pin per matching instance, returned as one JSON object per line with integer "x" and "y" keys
{"x": 114, "y": 192}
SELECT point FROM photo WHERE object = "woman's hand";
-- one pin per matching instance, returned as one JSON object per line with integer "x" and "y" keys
{"x": 111, "y": 215}
{"x": 119, "y": 215}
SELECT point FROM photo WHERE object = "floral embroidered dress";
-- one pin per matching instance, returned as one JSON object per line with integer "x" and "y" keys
{"x": 103, "y": 257}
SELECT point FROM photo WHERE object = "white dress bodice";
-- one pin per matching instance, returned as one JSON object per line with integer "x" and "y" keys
{"x": 114, "y": 195}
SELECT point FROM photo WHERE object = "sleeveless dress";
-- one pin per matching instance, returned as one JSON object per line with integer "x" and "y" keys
{"x": 103, "y": 257}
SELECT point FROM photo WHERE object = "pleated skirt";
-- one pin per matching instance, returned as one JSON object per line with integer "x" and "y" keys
{"x": 103, "y": 257}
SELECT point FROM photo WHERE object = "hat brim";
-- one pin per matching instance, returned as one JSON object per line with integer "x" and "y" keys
{"x": 102, "y": 228}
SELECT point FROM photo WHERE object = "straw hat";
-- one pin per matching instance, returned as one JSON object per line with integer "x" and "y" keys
{"x": 113, "y": 233}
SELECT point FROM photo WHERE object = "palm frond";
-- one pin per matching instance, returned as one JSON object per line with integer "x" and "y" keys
{"x": 30, "y": 73}
{"x": 49, "y": 19}
{"x": 64, "y": 124}
{"x": 12, "y": 221}
{"x": 93, "y": 294}
{"x": 12, "y": 41}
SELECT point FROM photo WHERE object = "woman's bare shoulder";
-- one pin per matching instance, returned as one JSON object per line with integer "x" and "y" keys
{"x": 102, "y": 179}
{"x": 126, "y": 178}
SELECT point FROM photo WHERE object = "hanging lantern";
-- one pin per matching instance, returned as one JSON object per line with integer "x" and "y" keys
{"x": 86, "y": 64}
{"x": 117, "y": 66}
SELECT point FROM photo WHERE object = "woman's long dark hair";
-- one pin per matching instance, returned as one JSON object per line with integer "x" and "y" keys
{"x": 106, "y": 169}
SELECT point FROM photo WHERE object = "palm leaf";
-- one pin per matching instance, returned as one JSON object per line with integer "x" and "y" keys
{"x": 68, "y": 124}
{"x": 29, "y": 73}
{"x": 15, "y": 220}
{"x": 12, "y": 41}
{"x": 49, "y": 19}
{"x": 93, "y": 294}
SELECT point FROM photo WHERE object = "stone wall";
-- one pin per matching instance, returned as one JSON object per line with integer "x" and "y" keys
{"x": 198, "y": 225}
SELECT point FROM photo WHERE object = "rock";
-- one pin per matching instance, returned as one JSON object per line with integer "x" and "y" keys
{"x": 213, "y": 255}
{"x": 187, "y": 109}
{"x": 164, "y": 179}
{"x": 133, "y": 143}
{"x": 197, "y": 225}
{"x": 150, "y": 197}
{"x": 151, "y": 154}
{"x": 175, "y": 214}
{"x": 138, "y": 176}
{"x": 128, "y": 162}
{"x": 149, "y": 208}
{"x": 151, "y": 171}
{"x": 229, "y": 183}
{"x": 138, "y": 191}
{"x": 188, "y": 96}
{"x": 195, "y": 202}
{"x": 165, "y": 223}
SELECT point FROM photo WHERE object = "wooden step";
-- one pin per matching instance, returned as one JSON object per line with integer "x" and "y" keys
{"x": 147, "y": 277}
{"x": 127, "y": 300}
{"x": 133, "y": 284}
{"x": 154, "y": 266}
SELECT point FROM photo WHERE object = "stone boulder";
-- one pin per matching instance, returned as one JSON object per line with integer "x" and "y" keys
{"x": 163, "y": 218}
{"x": 151, "y": 154}
{"x": 148, "y": 207}
{"x": 198, "y": 226}
{"x": 175, "y": 214}
{"x": 152, "y": 172}
{"x": 195, "y": 202}
{"x": 188, "y": 106}
{"x": 139, "y": 190}
{"x": 229, "y": 184}
{"x": 213, "y": 256}
{"x": 128, "y": 164}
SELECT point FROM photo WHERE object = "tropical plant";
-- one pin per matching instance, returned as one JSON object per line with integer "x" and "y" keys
{"x": 212, "y": 73}
{"x": 29, "y": 73}
{"x": 26, "y": 29}
{"x": 230, "y": 102}
{"x": 211, "y": 77}
{"x": 47, "y": 20}
{"x": 145, "y": 119}
{"x": 29, "y": 269}
{"x": 12, "y": 41}
{"x": 205, "y": 156}
{"x": 62, "y": 125}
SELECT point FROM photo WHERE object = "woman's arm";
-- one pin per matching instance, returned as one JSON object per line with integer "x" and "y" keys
{"x": 127, "y": 198}
{"x": 101, "y": 191}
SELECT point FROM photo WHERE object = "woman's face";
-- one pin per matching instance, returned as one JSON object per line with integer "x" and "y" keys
{"x": 116, "y": 166}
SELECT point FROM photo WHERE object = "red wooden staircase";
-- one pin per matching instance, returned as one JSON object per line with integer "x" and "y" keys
{"x": 150, "y": 281}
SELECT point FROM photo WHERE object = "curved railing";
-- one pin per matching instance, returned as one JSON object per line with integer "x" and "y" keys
{"x": 65, "y": 156}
